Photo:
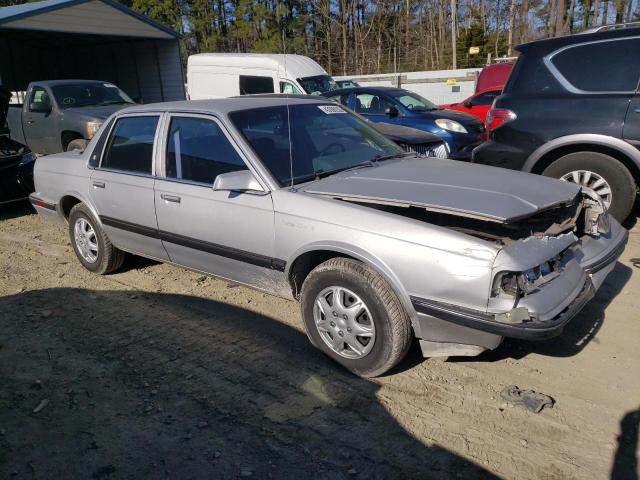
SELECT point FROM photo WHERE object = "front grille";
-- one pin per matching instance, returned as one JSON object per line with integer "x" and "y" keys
{"x": 439, "y": 150}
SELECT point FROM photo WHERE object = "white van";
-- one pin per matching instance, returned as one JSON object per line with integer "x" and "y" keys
{"x": 217, "y": 75}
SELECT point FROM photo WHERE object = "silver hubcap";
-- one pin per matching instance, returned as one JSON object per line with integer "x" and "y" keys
{"x": 344, "y": 322}
{"x": 86, "y": 241}
{"x": 593, "y": 181}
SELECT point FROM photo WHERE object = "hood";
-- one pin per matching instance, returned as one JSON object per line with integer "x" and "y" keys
{"x": 461, "y": 117}
{"x": 97, "y": 112}
{"x": 406, "y": 135}
{"x": 446, "y": 186}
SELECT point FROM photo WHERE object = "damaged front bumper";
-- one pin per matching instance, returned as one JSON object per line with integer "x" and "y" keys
{"x": 447, "y": 329}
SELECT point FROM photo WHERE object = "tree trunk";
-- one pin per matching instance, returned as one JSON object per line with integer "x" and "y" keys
{"x": 454, "y": 34}
{"x": 512, "y": 19}
{"x": 605, "y": 12}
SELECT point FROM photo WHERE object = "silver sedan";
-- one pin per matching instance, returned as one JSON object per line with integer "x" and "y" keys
{"x": 300, "y": 198}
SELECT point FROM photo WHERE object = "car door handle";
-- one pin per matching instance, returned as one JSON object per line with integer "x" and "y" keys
{"x": 170, "y": 198}
{"x": 30, "y": 122}
{"x": 98, "y": 185}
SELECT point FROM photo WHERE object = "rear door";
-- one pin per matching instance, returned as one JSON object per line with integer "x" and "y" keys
{"x": 121, "y": 186}
{"x": 632, "y": 123}
{"x": 228, "y": 234}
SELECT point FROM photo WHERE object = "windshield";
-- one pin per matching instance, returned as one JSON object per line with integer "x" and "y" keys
{"x": 318, "y": 84}
{"x": 89, "y": 94}
{"x": 413, "y": 101}
{"x": 324, "y": 139}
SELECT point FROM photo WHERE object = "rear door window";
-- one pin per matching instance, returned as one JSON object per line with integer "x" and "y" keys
{"x": 198, "y": 151}
{"x": 610, "y": 66}
{"x": 130, "y": 145}
{"x": 251, "y": 85}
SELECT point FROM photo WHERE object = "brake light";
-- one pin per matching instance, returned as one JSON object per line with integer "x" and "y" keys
{"x": 498, "y": 117}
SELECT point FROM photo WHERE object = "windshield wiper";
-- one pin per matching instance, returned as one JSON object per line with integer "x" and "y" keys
{"x": 372, "y": 162}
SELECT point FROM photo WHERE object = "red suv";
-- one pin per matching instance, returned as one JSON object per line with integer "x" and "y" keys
{"x": 477, "y": 104}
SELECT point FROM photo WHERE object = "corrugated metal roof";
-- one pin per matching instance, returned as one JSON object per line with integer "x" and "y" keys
{"x": 18, "y": 12}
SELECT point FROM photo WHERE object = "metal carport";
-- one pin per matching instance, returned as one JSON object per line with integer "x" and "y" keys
{"x": 90, "y": 39}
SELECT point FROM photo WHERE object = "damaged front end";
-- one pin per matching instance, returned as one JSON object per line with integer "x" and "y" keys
{"x": 549, "y": 267}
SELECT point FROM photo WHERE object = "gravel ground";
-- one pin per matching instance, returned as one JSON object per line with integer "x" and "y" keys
{"x": 159, "y": 372}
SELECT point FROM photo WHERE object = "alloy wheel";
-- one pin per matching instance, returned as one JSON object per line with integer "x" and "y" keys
{"x": 86, "y": 240}
{"x": 593, "y": 181}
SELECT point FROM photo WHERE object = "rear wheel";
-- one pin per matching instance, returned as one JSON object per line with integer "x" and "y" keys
{"x": 91, "y": 245}
{"x": 353, "y": 315}
{"x": 609, "y": 178}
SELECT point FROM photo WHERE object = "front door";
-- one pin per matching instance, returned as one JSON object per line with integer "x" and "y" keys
{"x": 375, "y": 107}
{"x": 631, "y": 131}
{"x": 39, "y": 123}
{"x": 122, "y": 186}
{"x": 228, "y": 234}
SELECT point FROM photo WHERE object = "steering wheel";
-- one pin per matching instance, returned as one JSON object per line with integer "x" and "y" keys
{"x": 326, "y": 150}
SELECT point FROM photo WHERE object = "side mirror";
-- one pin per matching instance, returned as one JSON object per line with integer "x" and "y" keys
{"x": 467, "y": 103}
{"x": 40, "y": 107}
{"x": 241, "y": 181}
{"x": 392, "y": 112}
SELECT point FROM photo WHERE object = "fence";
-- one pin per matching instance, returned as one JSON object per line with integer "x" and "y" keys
{"x": 439, "y": 86}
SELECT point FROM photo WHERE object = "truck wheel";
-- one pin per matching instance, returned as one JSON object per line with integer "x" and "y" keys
{"x": 92, "y": 246}
{"x": 352, "y": 315}
{"x": 78, "y": 144}
{"x": 602, "y": 173}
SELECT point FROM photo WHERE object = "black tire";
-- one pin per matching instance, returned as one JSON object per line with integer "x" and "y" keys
{"x": 109, "y": 258}
{"x": 623, "y": 186}
{"x": 392, "y": 324}
{"x": 78, "y": 144}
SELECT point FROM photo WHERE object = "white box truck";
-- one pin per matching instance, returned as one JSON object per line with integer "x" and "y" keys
{"x": 219, "y": 75}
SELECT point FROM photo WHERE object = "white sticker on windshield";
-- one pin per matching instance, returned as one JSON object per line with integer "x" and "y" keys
{"x": 331, "y": 109}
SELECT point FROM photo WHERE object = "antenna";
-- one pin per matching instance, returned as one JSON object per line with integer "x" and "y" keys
{"x": 286, "y": 74}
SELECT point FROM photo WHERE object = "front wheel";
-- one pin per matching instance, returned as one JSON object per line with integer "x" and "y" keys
{"x": 609, "y": 178}
{"x": 352, "y": 315}
{"x": 91, "y": 245}
{"x": 79, "y": 144}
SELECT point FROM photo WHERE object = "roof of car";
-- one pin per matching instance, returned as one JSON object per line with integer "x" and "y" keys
{"x": 577, "y": 38}
{"x": 55, "y": 83}
{"x": 226, "y": 105}
{"x": 340, "y": 91}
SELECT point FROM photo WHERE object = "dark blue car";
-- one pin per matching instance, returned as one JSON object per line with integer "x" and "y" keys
{"x": 462, "y": 132}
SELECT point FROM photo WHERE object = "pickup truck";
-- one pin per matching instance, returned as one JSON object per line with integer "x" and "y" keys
{"x": 63, "y": 115}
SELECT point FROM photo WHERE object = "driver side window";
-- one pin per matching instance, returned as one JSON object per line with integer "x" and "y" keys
{"x": 485, "y": 98}
{"x": 368, "y": 104}
{"x": 40, "y": 101}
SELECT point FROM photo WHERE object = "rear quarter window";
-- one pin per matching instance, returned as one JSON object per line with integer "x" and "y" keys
{"x": 251, "y": 85}
{"x": 609, "y": 66}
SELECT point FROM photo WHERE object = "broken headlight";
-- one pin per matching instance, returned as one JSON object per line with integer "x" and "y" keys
{"x": 519, "y": 284}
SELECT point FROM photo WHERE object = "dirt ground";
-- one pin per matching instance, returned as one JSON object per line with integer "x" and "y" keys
{"x": 159, "y": 372}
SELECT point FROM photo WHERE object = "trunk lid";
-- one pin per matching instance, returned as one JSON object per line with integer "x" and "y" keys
{"x": 451, "y": 187}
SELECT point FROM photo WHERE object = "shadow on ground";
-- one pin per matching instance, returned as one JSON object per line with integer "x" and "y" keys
{"x": 580, "y": 331}
{"x": 141, "y": 385}
{"x": 625, "y": 462}
{"x": 15, "y": 210}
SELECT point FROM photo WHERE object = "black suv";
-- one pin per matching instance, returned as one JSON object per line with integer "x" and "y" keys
{"x": 571, "y": 110}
